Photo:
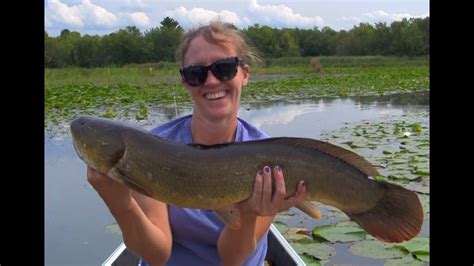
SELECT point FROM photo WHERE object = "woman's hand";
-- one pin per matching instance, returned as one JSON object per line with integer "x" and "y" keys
{"x": 116, "y": 196}
{"x": 262, "y": 203}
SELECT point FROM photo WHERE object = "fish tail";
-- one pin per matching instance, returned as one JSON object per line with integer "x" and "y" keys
{"x": 397, "y": 217}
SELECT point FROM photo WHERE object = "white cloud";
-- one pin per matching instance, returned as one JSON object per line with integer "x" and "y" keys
{"x": 377, "y": 16}
{"x": 352, "y": 20}
{"x": 381, "y": 15}
{"x": 139, "y": 19}
{"x": 199, "y": 16}
{"x": 281, "y": 16}
{"x": 80, "y": 15}
{"x": 105, "y": 16}
{"x": 96, "y": 15}
{"x": 58, "y": 12}
{"x": 273, "y": 15}
{"x": 90, "y": 17}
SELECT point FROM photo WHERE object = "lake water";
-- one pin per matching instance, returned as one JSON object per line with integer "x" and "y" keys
{"x": 77, "y": 221}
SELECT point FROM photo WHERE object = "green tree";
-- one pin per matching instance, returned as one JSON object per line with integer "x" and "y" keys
{"x": 382, "y": 39}
{"x": 170, "y": 23}
{"x": 264, "y": 39}
{"x": 311, "y": 42}
{"x": 362, "y": 38}
{"x": 408, "y": 37}
{"x": 287, "y": 44}
{"x": 423, "y": 26}
{"x": 67, "y": 40}
{"x": 124, "y": 47}
{"x": 162, "y": 42}
{"x": 328, "y": 41}
{"x": 87, "y": 52}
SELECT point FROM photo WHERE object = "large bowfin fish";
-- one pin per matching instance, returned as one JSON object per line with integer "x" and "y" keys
{"x": 219, "y": 176}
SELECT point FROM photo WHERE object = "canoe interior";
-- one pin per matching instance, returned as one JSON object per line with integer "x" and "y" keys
{"x": 279, "y": 253}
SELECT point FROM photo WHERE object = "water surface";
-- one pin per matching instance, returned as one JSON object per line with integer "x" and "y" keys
{"x": 76, "y": 218}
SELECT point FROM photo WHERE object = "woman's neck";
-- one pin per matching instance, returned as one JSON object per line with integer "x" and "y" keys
{"x": 211, "y": 132}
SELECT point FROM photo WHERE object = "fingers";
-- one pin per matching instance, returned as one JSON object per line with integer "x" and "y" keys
{"x": 280, "y": 189}
{"x": 252, "y": 205}
{"x": 265, "y": 201}
{"x": 116, "y": 196}
{"x": 301, "y": 191}
{"x": 297, "y": 199}
{"x": 100, "y": 181}
{"x": 275, "y": 201}
{"x": 267, "y": 184}
{"x": 258, "y": 187}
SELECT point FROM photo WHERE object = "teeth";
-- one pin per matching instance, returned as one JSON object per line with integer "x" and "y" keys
{"x": 216, "y": 95}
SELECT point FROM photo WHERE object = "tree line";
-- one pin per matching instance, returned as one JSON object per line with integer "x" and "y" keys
{"x": 409, "y": 37}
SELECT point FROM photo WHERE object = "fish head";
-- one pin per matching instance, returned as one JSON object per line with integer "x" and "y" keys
{"x": 98, "y": 142}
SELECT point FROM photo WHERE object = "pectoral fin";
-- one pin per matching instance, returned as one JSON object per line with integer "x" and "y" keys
{"x": 117, "y": 175}
{"x": 310, "y": 209}
{"x": 230, "y": 215}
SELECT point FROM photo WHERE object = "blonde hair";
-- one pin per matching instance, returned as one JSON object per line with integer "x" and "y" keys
{"x": 220, "y": 33}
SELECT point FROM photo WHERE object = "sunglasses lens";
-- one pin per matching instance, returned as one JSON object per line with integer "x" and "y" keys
{"x": 195, "y": 75}
{"x": 225, "y": 69}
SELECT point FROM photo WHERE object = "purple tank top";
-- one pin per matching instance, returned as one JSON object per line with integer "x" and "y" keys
{"x": 195, "y": 231}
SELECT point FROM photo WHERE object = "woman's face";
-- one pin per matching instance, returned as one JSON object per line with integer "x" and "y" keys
{"x": 214, "y": 99}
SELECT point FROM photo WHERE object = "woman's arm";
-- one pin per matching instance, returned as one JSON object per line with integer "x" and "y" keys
{"x": 142, "y": 220}
{"x": 257, "y": 214}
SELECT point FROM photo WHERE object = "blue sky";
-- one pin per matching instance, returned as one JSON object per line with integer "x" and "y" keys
{"x": 106, "y": 16}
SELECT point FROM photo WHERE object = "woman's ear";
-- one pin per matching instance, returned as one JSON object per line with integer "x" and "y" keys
{"x": 245, "y": 74}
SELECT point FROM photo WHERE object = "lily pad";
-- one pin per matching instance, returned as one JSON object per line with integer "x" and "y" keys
{"x": 340, "y": 232}
{"x": 423, "y": 256}
{"x": 377, "y": 249}
{"x": 416, "y": 127}
{"x": 282, "y": 227}
{"x": 312, "y": 261}
{"x": 314, "y": 249}
{"x": 296, "y": 233}
{"x": 408, "y": 260}
{"x": 418, "y": 246}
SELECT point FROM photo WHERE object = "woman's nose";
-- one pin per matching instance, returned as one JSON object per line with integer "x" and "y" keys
{"x": 211, "y": 79}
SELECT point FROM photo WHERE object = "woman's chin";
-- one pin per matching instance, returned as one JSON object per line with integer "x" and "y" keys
{"x": 219, "y": 112}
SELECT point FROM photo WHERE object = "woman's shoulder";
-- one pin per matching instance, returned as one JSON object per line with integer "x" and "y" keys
{"x": 177, "y": 129}
{"x": 247, "y": 131}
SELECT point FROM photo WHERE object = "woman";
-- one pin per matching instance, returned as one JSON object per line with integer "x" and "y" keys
{"x": 214, "y": 71}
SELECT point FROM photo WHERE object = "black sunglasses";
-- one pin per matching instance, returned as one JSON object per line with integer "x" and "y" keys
{"x": 223, "y": 69}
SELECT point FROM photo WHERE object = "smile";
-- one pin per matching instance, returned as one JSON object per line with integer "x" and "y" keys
{"x": 215, "y": 95}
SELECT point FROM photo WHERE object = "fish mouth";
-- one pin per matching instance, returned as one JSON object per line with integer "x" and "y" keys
{"x": 96, "y": 143}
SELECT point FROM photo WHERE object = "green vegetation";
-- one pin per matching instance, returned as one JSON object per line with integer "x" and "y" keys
{"x": 409, "y": 37}
{"x": 130, "y": 91}
{"x": 398, "y": 147}
{"x": 407, "y": 137}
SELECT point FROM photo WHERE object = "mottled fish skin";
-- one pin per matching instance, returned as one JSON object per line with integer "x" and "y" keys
{"x": 213, "y": 177}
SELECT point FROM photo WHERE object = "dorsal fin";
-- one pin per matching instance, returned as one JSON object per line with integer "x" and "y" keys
{"x": 345, "y": 155}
